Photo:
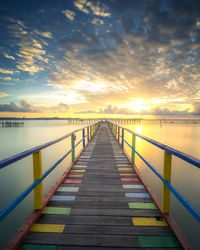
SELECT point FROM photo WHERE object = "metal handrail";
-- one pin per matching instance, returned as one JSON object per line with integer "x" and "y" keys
{"x": 38, "y": 181}
{"x": 166, "y": 178}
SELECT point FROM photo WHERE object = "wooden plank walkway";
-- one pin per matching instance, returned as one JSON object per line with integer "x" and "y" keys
{"x": 101, "y": 205}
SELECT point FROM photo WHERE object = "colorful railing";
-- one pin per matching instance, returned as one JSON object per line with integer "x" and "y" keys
{"x": 167, "y": 188}
{"x": 38, "y": 177}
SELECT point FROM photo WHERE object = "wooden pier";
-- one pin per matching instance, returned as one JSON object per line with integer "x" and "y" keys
{"x": 81, "y": 121}
{"x": 10, "y": 124}
{"x": 126, "y": 121}
{"x": 101, "y": 204}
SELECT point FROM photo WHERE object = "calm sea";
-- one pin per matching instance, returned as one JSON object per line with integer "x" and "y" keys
{"x": 184, "y": 136}
{"x": 16, "y": 177}
{"x": 181, "y": 135}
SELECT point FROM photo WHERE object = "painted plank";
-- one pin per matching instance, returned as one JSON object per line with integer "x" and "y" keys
{"x": 129, "y": 179}
{"x": 68, "y": 189}
{"x": 75, "y": 175}
{"x": 79, "y": 166}
{"x": 128, "y": 174}
{"x": 123, "y": 169}
{"x": 133, "y": 186}
{"x": 73, "y": 181}
{"x": 37, "y": 247}
{"x": 123, "y": 165}
{"x": 56, "y": 210}
{"x": 158, "y": 241}
{"x": 63, "y": 198}
{"x": 149, "y": 222}
{"x": 78, "y": 171}
{"x": 137, "y": 195}
{"x": 48, "y": 228}
{"x": 142, "y": 205}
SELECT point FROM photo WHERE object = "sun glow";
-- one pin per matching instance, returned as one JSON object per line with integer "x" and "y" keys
{"x": 137, "y": 105}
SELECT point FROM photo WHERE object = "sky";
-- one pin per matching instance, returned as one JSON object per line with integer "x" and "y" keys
{"x": 108, "y": 58}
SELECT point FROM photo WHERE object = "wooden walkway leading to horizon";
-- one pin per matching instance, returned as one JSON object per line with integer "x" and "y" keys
{"x": 102, "y": 204}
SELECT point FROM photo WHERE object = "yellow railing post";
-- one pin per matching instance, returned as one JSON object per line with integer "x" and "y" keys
{"x": 167, "y": 177}
{"x": 37, "y": 174}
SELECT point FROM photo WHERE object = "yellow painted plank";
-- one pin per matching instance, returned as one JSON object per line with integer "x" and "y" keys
{"x": 48, "y": 228}
{"x": 121, "y": 169}
{"x": 144, "y": 221}
{"x": 81, "y": 170}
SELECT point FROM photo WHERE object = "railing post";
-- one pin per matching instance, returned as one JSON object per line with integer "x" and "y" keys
{"x": 133, "y": 152}
{"x": 37, "y": 174}
{"x": 83, "y": 138}
{"x": 122, "y": 138}
{"x": 118, "y": 133}
{"x": 88, "y": 134}
{"x": 72, "y": 145}
{"x": 167, "y": 177}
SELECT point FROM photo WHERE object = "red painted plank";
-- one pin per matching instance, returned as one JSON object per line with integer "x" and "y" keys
{"x": 129, "y": 179}
{"x": 76, "y": 175}
{"x": 73, "y": 181}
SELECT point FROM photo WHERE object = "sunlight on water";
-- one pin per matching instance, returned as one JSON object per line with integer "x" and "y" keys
{"x": 185, "y": 177}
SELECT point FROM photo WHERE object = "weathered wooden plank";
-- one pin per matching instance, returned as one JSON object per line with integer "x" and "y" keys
{"x": 85, "y": 220}
{"x": 83, "y": 240}
{"x": 115, "y": 212}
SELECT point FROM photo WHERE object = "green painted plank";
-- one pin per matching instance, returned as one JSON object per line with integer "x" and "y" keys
{"x": 36, "y": 247}
{"x": 158, "y": 241}
{"x": 56, "y": 210}
{"x": 142, "y": 205}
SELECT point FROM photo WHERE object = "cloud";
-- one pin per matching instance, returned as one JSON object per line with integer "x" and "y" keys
{"x": 2, "y": 94}
{"x": 97, "y": 21}
{"x": 25, "y": 106}
{"x": 12, "y": 107}
{"x": 94, "y": 7}
{"x": 9, "y": 57}
{"x": 69, "y": 14}
{"x": 8, "y": 78}
{"x": 6, "y": 71}
{"x": 31, "y": 57}
{"x": 46, "y": 34}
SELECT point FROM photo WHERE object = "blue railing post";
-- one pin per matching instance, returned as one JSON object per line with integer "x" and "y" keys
{"x": 83, "y": 137}
{"x": 122, "y": 138}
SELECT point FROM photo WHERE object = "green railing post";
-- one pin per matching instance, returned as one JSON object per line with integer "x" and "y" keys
{"x": 118, "y": 133}
{"x": 72, "y": 145}
{"x": 83, "y": 137}
{"x": 37, "y": 174}
{"x": 167, "y": 177}
{"x": 133, "y": 152}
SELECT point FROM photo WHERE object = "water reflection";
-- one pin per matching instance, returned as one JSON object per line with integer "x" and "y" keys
{"x": 185, "y": 177}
